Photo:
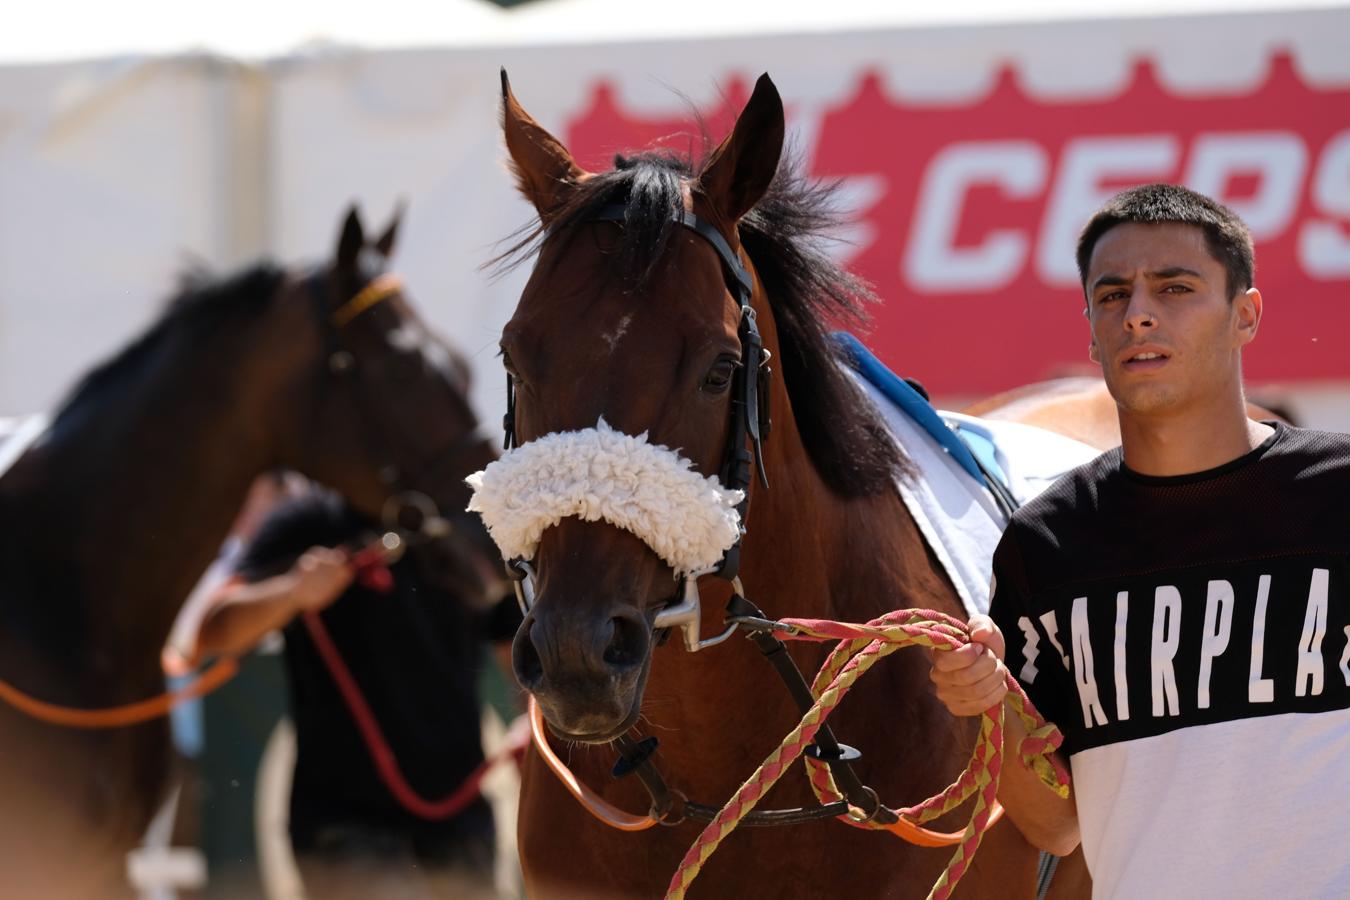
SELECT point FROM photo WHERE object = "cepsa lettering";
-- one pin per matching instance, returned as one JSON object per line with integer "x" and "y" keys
{"x": 972, "y": 210}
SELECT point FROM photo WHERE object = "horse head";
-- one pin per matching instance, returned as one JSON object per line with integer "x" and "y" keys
{"x": 376, "y": 406}
{"x": 629, "y": 346}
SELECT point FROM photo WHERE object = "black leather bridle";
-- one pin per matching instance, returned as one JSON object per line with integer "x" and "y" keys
{"x": 750, "y": 419}
{"x": 750, "y": 425}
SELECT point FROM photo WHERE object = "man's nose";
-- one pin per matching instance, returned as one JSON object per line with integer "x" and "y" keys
{"x": 1140, "y": 315}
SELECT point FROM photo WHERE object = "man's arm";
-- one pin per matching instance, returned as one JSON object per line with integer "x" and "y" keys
{"x": 969, "y": 681}
{"x": 242, "y": 612}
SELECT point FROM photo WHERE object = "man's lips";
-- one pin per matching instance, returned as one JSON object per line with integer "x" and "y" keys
{"x": 1144, "y": 358}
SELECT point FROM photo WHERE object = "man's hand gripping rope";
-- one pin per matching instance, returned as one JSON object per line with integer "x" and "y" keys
{"x": 859, "y": 648}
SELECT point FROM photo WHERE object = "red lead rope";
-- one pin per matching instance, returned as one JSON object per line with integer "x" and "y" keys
{"x": 386, "y": 764}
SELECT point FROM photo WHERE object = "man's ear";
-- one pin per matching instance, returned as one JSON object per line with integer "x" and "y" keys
{"x": 1247, "y": 309}
{"x": 1094, "y": 354}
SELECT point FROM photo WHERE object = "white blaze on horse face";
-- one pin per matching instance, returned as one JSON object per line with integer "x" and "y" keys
{"x": 1084, "y": 674}
{"x": 1214, "y": 641}
{"x": 1166, "y": 640}
{"x": 1260, "y": 690}
{"x": 612, "y": 339}
{"x": 1310, "y": 667}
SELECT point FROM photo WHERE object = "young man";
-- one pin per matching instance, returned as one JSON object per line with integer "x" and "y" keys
{"x": 1180, "y": 606}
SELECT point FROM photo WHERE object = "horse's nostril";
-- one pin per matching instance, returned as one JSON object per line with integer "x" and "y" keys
{"x": 525, "y": 658}
{"x": 627, "y": 642}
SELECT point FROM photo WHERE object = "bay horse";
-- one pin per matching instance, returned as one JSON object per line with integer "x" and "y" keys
{"x": 113, "y": 513}
{"x": 631, "y": 315}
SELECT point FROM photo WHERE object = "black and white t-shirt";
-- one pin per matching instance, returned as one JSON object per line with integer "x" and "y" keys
{"x": 1191, "y": 637}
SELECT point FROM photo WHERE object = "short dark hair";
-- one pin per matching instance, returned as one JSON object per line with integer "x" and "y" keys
{"x": 1227, "y": 237}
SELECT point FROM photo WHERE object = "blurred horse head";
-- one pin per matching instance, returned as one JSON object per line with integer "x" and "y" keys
{"x": 112, "y": 513}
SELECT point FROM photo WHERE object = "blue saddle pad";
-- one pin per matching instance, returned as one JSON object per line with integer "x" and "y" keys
{"x": 972, "y": 451}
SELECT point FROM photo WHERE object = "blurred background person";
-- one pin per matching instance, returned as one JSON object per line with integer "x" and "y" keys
{"x": 412, "y": 637}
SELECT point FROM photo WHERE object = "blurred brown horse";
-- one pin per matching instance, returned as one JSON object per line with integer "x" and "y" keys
{"x": 629, "y": 314}
{"x": 111, "y": 516}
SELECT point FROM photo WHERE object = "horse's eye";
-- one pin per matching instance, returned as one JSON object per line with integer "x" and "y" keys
{"x": 719, "y": 376}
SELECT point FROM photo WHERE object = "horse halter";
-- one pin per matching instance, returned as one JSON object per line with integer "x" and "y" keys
{"x": 750, "y": 421}
{"x": 408, "y": 514}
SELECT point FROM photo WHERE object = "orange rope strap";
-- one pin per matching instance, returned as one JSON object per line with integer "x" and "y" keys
{"x": 118, "y": 716}
{"x": 592, "y": 802}
{"x": 379, "y": 290}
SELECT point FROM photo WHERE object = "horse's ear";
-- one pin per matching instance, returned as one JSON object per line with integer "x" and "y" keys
{"x": 545, "y": 172}
{"x": 385, "y": 244}
{"x": 741, "y": 168}
{"x": 352, "y": 240}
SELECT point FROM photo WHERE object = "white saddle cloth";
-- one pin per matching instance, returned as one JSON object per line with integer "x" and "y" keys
{"x": 956, "y": 514}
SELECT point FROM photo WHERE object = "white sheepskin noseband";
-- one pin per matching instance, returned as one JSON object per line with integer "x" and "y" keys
{"x": 595, "y": 474}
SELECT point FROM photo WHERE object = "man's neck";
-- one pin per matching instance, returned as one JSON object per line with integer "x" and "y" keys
{"x": 1187, "y": 443}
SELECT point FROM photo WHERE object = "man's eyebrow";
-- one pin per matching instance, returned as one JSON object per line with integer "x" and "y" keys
{"x": 1110, "y": 279}
{"x": 1172, "y": 272}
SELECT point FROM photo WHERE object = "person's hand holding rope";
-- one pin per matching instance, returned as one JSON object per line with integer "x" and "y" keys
{"x": 973, "y": 678}
{"x": 320, "y": 576}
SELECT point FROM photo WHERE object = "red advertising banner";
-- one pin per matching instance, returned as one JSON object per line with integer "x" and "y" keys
{"x": 971, "y": 210}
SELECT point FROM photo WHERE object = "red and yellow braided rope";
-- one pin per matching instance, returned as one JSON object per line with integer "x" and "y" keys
{"x": 860, "y": 647}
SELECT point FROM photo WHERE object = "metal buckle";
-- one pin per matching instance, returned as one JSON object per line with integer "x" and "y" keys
{"x": 429, "y": 523}
{"x": 688, "y": 613}
{"x": 685, "y": 616}
{"x": 521, "y": 573}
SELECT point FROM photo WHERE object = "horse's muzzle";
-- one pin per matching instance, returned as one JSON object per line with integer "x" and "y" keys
{"x": 587, "y": 673}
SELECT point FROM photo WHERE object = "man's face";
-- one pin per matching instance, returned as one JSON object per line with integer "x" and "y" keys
{"x": 1163, "y": 328}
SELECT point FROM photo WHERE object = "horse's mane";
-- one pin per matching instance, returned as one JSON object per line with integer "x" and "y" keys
{"x": 784, "y": 236}
{"x": 201, "y": 306}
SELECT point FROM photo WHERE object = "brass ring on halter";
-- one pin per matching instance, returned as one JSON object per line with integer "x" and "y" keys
{"x": 429, "y": 523}
{"x": 862, "y": 816}
{"x": 675, "y": 813}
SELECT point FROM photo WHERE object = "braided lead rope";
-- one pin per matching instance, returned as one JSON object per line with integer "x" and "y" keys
{"x": 861, "y": 647}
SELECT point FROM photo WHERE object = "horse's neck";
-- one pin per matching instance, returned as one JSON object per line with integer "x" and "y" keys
{"x": 128, "y": 500}
{"x": 810, "y": 554}
{"x": 834, "y": 557}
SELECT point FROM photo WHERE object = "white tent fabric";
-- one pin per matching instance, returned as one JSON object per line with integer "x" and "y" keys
{"x": 244, "y": 29}
{"x": 114, "y": 173}
{"x": 589, "y": 21}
